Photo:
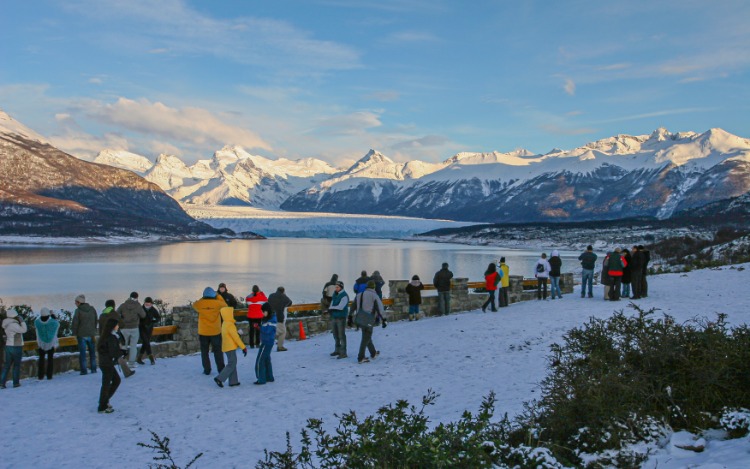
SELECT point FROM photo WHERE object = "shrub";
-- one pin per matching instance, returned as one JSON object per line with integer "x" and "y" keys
{"x": 164, "y": 453}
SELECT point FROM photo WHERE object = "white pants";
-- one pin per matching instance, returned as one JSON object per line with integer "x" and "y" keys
{"x": 131, "y": 341}
{"x": 280, "y": 334}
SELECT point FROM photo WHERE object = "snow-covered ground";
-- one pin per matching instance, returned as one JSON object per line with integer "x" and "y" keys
{"x": 462, "y": 357}
{"x": 271, "y": 223}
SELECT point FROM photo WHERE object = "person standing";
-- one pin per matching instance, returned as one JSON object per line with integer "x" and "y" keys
{"x": 46, "y": 326}
{"x": 379, "y": 283}
{"x": 442, "y": 282}
{"x": 414, "y": 290}
{"x": 146, "y": 330}
{"x": 109, "y": 308}
{"x": 263, "y": 367}
{"x": 626, "y": 273}
{"x": 541, "y": 272}
{"x": 328, "y": 290}
{"x": 255, "y": 315}
{"x": 491, "y": 280}
{"x": 555, "y": 264}
{"x": 230, "y": 342}
{"x": 502, "y": 294}
{"x": 339, "y": 310}
{"x": 588, "y": 264}
{"x": 615, "y": 266}
{"x": 109, "y": 352}
{"x": 278, "y": 301}
{"x": 229, "y": 299}
{"x": 209, "y": 328}
{"x": 644, "y": 270}
{"x": 130, "y": 314}
{"x": 606, "y": 279}
{"x": 84, "y": 328}
{"x": 367, "y": 304}
{"x": 14, "y": 328}
{"x": 636, "y": 272}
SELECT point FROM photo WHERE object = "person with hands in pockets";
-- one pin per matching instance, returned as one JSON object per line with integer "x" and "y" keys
{"x": 230, "y": 342}
{"x": 263, "y": 368}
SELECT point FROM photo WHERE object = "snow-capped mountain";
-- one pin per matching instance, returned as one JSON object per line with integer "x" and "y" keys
{"x": 619, "y": 177}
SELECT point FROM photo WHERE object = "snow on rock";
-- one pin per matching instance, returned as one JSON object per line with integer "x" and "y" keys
{"x": 10, "y": 126}
{"x": 125, "y": 160}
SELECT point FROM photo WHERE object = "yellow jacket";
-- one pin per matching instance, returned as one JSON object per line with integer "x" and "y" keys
{"x": 209, "y": 318}
{"x": 505, "y": 281}
{"x": 230, "y": 339}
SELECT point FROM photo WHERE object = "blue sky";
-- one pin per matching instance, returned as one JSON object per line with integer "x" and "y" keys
{"x": 331, "y": 79}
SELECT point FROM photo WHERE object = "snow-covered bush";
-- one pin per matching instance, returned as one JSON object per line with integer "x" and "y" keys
{"x": 735, "y": 421}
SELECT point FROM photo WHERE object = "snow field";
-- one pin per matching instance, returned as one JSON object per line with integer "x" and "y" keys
{"x": 462, "y": 357}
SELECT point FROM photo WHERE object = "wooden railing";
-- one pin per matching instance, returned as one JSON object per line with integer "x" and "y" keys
{"x": 73, "y": 341}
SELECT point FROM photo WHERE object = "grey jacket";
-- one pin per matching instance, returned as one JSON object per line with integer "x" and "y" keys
{"x": 370, "y": 302}
{"x": 130, "y": 314}
{"x": 84, "y": 321}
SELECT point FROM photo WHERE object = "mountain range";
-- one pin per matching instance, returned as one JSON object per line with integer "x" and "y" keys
{"x": 654, "y": 175}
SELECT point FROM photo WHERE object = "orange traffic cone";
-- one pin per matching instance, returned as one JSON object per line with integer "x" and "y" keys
{"x": 302, "y": 335}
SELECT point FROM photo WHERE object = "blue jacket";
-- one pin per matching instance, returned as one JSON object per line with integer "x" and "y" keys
{"x": 339, "y": 308}
{"x": 268, "y": 331}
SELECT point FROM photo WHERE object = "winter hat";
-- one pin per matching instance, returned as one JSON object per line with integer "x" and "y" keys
{"x": 222, "y": 284}
{"x": 109, "y": 304}
{"x": 148, "y": 300}
{"x": 45, "y": 312}
{"x": 209, "y": 293}
{"x": 502, "y": 259}
{"x": 415, "y": 277}
{"x": 371, "y": 284}
{"x": 618, "y": 250}
{"x": 12, "y": 314}
{"x": 555, "y": 253}
{"x": 134, "y": 295}
{"x": 80, "y": 299}
{"x": 340, "y": 284}
{"x": 589, "y": 248}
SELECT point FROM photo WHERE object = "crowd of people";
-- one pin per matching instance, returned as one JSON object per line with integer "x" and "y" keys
{"x": 119, "y": 330}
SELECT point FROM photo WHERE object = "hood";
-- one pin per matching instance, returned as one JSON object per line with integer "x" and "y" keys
{"x": 227, "y": 314}
{"x": 11, "y": 314}
{"x": 555, "y": 253}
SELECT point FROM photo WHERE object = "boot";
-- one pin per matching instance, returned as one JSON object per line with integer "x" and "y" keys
{"x": 152, "y": 359}
{"x": 139, "y": 359}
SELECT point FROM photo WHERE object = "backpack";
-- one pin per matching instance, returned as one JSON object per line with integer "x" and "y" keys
{"x": 539, "y": 267}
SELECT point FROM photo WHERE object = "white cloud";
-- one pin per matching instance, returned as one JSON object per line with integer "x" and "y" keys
{"x": 349, "y": 124}
{"x": 384, "y": 96}
{"x": 569, "y": 87}
{"x": 426, "y": 141}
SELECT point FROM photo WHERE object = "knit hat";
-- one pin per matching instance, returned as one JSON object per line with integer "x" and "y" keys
{"x": 415, "y": 277}
{"x": 12, "y": 313}
{"x": 45, "y": 312}
{"x": 134, "y": 295}
{"x": 148, "y": 300}
{"x": 80, "y": 299}
{"x": 222, "y": 284}
{"x": 502, "y": 259}
{"x": 371, "y": 284}
{"x": 209, "y": 293}
{"x": 340, "y": 284}
{"x": 555, "y": 253}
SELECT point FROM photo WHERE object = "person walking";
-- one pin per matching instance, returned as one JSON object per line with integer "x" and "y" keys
{"x": 255, "y": 315}
{"x": 14, "y": 328}
{"x": 626, "y": 274}
{"x": 46, "y": 326}
{"x": 442, "y": 282}
{"x": 541, "y": 272}
{"x": 328, "y": 290}
{"x": 555, "y": 264}
{"x": 339, "y": 310}
{"x": 502, "y": 293}
{"x": 491, "y": 280}
{"x": 278, "y": 301}
{"x": 84, "y": 328}
{"x": 615, "y": 266}
{"x": 414, "y": 291}
{"x": 636, "y": 272}
{"x": 146, "y": 330}
{"x": 130, "y": 314}
{"x": 230, "y": 342}
{"x": 229, "y": 299}
{"x": 209, "y": 328}
{"x": 109, "y": 353}
{"x": 109, "y": 308}
{"x": 588, "y": 264}
{"x": 367, "y": 304}
{"x": 263, "y": 367}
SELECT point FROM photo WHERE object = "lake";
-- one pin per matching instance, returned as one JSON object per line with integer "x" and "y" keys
{"x": 177, "y": 273}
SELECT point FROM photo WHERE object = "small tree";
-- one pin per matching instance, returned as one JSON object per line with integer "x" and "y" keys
{"x": 164, "y": 453}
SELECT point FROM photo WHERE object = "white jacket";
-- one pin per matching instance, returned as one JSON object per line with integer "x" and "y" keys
{"x": 14, "y": 331}
{"x": 547, "y": 268}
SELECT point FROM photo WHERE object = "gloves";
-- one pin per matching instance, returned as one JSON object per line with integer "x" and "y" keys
{"x": 244, "y": 352}
{"x": 385, "y": 323}
{"x": 256, "y": 326}
{"x": 350, "y": 322}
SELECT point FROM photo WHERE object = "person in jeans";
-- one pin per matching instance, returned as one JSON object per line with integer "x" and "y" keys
{"x": 588, "y": 263}
{"x": 14, "y": 328}
{"x": 46, "y": 326}
{"x": 130, "y": 314}
{"x": 263, "y": 367}
{"x": 230, "y": 342}
{"x": 339, "y": 311}
{"x": 502, "y": 292}
{"x": 555, "y": 264}
{"x": 491, "y": 280}
{"x": 442, "y": 282}
{"x": 84, "y": 328}
{"x": 146, "y": 330}
{"x": 414, "y": 290}
{"x": 541, "y": 272}
{"x": 278, "y": 301}
{"x": 369, "y": 302}
{"x": 209, "y": 328}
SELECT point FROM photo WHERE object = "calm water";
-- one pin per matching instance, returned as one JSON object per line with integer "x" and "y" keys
{"x": 178, "y": 273}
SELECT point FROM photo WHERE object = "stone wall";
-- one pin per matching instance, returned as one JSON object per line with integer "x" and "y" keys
{"x": 185, "y": 340}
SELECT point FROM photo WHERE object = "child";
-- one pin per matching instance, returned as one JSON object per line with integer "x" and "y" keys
{"x": 109, "y": 353}
{"x": 230, "y": 342}
{"x": 263, "y": 368}
{"x": 414, "y": 290}
{"x": 46, "y": 326}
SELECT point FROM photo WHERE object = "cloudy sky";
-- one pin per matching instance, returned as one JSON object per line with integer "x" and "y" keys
{"x": 414, "y": 79}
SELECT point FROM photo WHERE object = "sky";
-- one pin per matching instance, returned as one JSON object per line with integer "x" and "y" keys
{"x": 331, "y": 79}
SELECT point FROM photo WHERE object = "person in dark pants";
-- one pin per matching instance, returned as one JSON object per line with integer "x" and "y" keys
{"x": 229, "y": 299}
{"x": 46, "y": 326}
{"x": 644, "y": 270}
{"x": 109, "y": 352}
{"x": 209, "y": 328}
{"x": 541, "y": 272}
{"x": 255, "y": 315}
{"x": 491, "y": 279}
{"x": 146, "y": 330}
{"x": 368, "y": 302}
{"x": 615, "y": 266}
{"x": 636, "y": 272}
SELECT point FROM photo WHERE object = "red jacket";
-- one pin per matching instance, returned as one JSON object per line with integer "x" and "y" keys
{"x": 491, "y": 281}
{"x": 617, "y": 273}
{"x": 254, "y": 303}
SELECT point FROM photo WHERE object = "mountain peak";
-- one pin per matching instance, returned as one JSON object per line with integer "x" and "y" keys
{"x": 373, "y": 157}
{"x": 8, "y": 125}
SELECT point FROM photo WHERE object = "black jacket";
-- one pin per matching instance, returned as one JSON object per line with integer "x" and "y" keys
{"x": 278, "y": 301}
{"x": 415, "y": 293}
{"x": 229, "y": 299}
{"x": 555, "y": 263}
{"x": 151, "y": 318}
{"x": 442, "y": 280}
{"x": 109, "y": 350}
